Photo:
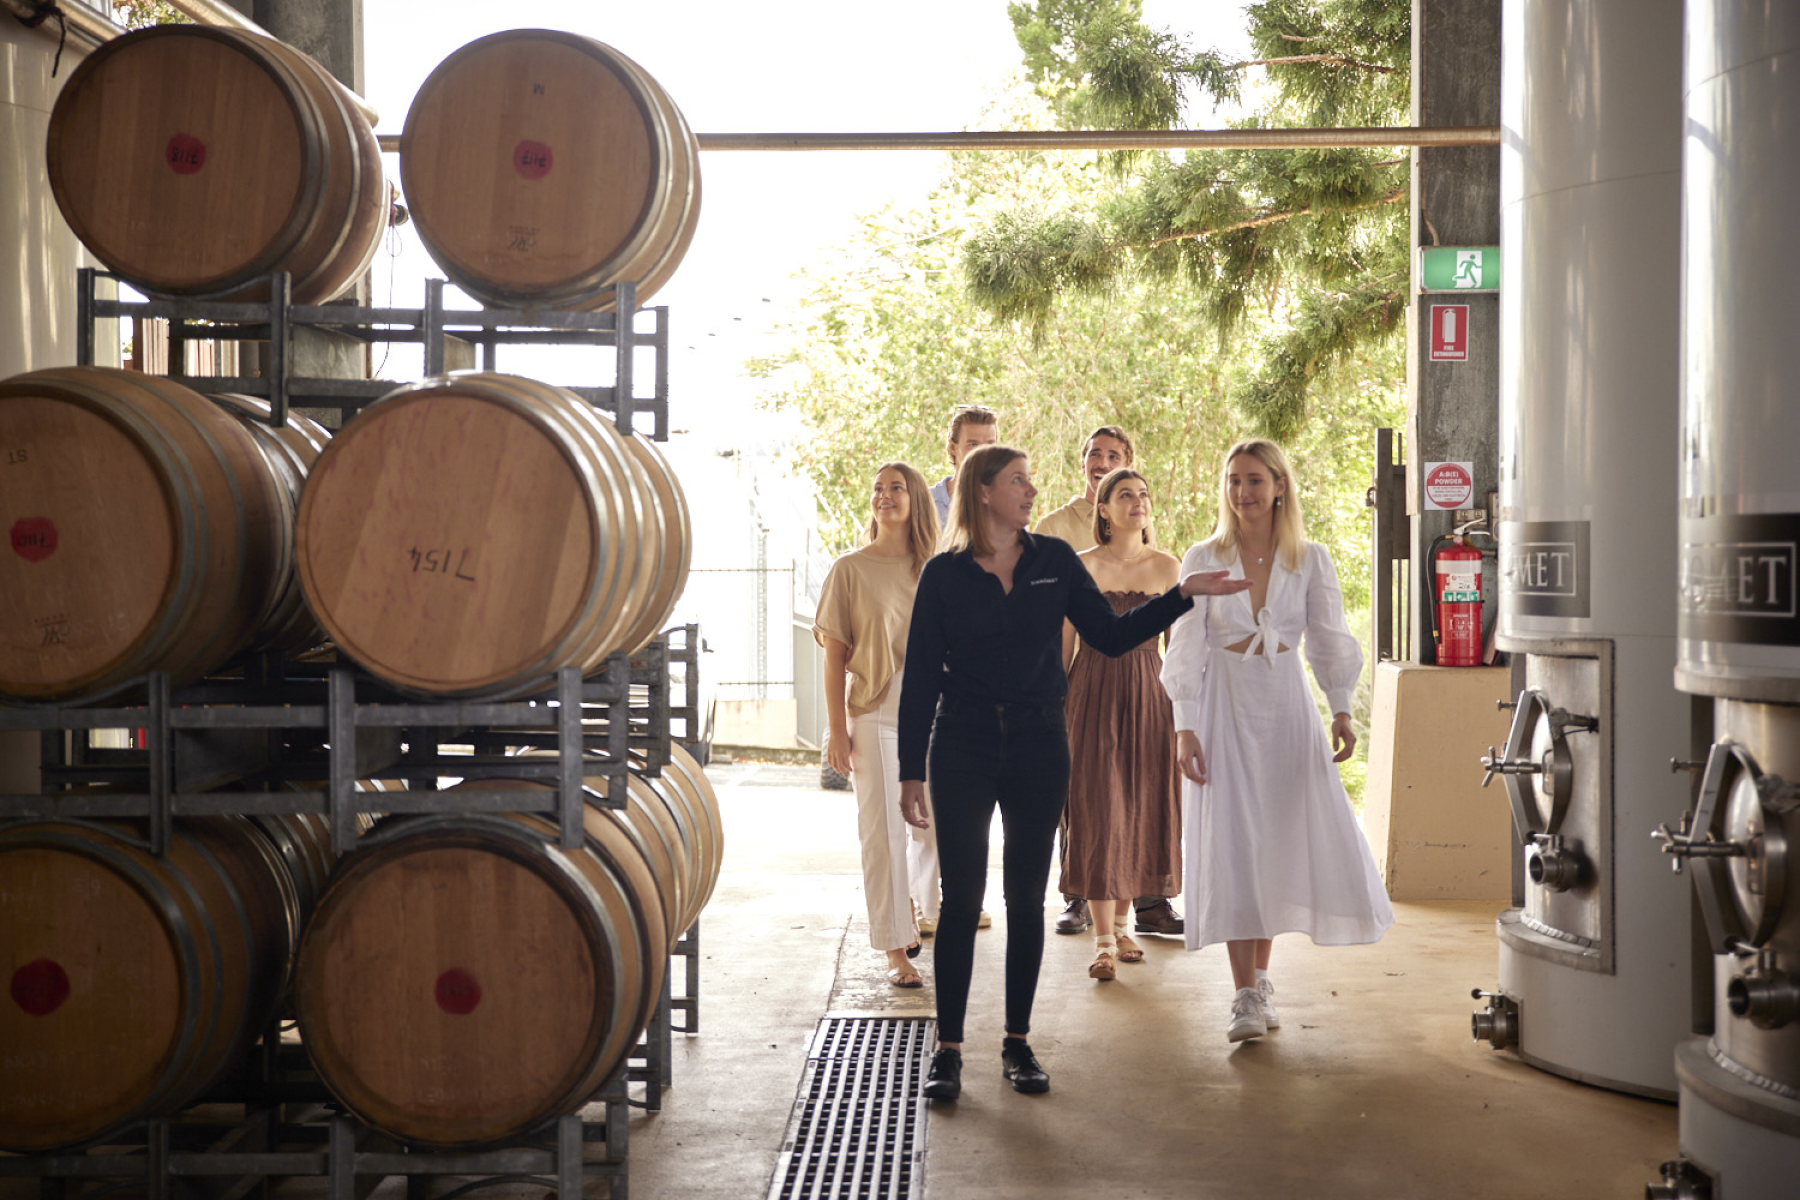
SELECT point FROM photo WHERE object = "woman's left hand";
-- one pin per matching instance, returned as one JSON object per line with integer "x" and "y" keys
{"x": 1212, "y": 583}
{"x": 1343, "y": 737}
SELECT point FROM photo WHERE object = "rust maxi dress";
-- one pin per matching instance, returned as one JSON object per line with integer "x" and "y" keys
{"x": 1124, "y": 790}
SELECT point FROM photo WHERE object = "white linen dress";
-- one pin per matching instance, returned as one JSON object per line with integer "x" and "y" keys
{"x": 1273, "y": 845}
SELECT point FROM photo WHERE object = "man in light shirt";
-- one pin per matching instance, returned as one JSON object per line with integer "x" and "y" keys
{"x": 970, "y": 426}
{"x": 1106, "y": 450}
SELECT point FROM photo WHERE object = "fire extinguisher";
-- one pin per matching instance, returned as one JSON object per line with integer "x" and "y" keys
{"x": 1457, "y": 590}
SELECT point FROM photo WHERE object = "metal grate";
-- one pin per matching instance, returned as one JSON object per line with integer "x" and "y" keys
{"x": 858, "y": 1126}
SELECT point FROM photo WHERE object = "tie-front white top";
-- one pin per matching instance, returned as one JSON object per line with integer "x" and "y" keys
{"x": 1303, "y": 607}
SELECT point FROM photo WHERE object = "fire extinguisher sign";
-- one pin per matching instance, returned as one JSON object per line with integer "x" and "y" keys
{"x": 1449, "y": 485}
{"x": 1449, "y": 333}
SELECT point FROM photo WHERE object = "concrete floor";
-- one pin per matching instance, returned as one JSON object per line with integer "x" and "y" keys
{"x": 1372, "y": 1088}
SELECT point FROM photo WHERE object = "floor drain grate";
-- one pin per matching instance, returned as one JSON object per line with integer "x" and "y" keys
{"x": 858, "y": 1126}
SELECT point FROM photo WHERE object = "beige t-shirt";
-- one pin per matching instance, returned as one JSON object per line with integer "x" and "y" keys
{"x": 866, "y": 603}
{"x": 1073, "y": 523}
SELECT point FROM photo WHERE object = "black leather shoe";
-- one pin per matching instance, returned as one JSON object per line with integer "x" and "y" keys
{"x": 944, "y": 1080}
{"x": 1075, "y": 918}
{"x": 1020, "y": 1065}
{"x": 1160, "y": 917}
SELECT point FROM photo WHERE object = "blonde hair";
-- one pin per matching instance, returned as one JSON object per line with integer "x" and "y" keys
{"x": 921, "y": 521}
{"x": 1289, "y": 525}
{"x": 1109, "y": 481}
{"x": 967, "y": 530}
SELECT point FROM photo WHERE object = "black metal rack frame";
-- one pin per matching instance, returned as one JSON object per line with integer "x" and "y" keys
{"x": 274, "y": 320}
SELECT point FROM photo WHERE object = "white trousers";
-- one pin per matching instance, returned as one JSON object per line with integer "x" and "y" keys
{"x": 900, "y": 861}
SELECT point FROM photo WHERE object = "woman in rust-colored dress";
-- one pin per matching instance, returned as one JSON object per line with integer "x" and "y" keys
{"x": 1124, "y": 790}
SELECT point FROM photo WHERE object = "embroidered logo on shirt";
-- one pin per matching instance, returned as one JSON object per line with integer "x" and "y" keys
{"x": 1052, "y": 579}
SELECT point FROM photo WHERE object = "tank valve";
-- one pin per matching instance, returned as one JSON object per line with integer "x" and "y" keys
{"x": 1681, "y": 843}
{"x": 1768, "y": 997}
{"x": 1498, "y": 764}
{"x": 1552, "y": 865}
{"x": 1499, "y": 1023}
{"x": 1681, "y": 1180}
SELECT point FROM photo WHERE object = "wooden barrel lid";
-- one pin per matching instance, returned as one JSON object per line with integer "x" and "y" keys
{"x": 93, "y": 1010}
{"x": 449, "y": 542}
{"x": 92, "y": 545}
{"x": 534, "y": 160}
{"x": 184, "y": 158}
{"x": 455, "y": 987}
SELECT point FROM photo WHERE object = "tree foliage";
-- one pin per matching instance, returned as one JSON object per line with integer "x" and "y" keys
{"x": 141, "y": 14}
{"x": 1313, "y": 240}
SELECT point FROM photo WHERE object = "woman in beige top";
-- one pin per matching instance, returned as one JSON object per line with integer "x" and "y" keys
{"x": 865, "y": 609}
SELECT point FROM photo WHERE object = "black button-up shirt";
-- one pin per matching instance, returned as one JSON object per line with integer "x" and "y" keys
{"x": 971, "y": 639}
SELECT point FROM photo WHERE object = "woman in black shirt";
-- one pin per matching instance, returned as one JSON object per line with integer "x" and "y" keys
{"x": 983, "y": 702}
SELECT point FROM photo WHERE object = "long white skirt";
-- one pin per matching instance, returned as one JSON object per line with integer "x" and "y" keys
{"x": 1273, "y": 845}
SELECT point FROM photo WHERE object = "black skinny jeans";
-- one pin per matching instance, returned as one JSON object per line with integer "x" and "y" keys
{"x": 1016, "y": 756}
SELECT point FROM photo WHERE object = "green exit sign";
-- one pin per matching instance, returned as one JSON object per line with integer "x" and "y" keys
{"x": 1459, "y": 268}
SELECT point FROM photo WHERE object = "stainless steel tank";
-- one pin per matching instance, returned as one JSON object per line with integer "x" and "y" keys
{"x": 1595, "y": 961}
{"x": 1738, "y": 635}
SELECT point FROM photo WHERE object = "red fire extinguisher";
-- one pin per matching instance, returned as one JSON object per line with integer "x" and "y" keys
{"x": 1458, "y": 591}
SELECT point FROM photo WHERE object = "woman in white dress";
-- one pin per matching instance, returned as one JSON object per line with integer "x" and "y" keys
{"x": 1273, "y": 845}
{"x": 865, "y": 610}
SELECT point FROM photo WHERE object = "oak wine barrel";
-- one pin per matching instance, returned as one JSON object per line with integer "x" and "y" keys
{"x": 542, "y": 167}
{"x": 465, "y": 981}
{"x": 135, "y": 982}
{"x": 146, "y": 532}
{"x": 474, "y": 533}
{"x": 192, "y": 159}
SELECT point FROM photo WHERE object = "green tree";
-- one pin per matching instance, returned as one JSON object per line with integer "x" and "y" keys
{"x": 141, "y": 14}
{"x": 1315, "y": 241}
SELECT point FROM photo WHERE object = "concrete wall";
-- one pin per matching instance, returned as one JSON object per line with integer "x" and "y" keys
{"x": 1437, "y": 835}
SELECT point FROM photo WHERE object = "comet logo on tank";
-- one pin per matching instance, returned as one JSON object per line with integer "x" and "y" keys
{"x": 1737, "y": 579}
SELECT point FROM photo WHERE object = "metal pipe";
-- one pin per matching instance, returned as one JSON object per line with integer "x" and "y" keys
{"x": 1097, "y": 139}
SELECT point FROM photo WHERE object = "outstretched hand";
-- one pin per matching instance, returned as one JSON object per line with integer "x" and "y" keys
{"x": 914, "y": 809}
{"x": 1212, "y": 583}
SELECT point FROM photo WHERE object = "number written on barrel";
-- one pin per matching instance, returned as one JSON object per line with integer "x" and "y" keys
{"x": 454, "y": 563}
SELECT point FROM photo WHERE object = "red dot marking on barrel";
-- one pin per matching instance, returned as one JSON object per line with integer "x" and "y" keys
{"x": 533, "y": 160}
{"x": 458, "y": 992}
{"x": 34, "y": 538}
{"x": 185, "y": 154}
{"x": 40, "y": 987}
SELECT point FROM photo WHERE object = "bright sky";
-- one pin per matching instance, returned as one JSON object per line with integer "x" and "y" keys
{"x": 781, "y": 66}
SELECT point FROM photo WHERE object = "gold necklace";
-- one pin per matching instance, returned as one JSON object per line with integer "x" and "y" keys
{"x": 1106, "y": 549}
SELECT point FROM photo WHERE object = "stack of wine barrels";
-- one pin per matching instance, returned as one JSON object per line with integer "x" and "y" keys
{"x": 150, "y": 528}
{"x": 465, "y": 980}
{"x": 473, "y": 533}
{"x": 193, "y": 159}
{"x": 542, "y": 167}
{"x": 136, "y": 981}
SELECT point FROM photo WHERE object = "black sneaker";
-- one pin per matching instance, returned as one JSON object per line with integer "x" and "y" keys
{"x": 1020, "y": 1065}
{"x": 944, "y": 1080}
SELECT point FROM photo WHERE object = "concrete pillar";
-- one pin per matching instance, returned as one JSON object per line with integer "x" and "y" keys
{"x": 1453, "y": 407}
{"x": 329, "y": 30}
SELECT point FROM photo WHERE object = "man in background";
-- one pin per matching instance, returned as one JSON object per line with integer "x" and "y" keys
{"x": 970, "y": 426}
{"x": 1105, "y": 450}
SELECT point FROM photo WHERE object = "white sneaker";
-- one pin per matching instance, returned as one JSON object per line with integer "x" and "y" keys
{"x": 1246, "y": 1017}
{"x": 1264, "y": 990}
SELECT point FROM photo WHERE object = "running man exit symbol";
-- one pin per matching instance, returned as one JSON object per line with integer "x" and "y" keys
{"x": 1468, "y": 268}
